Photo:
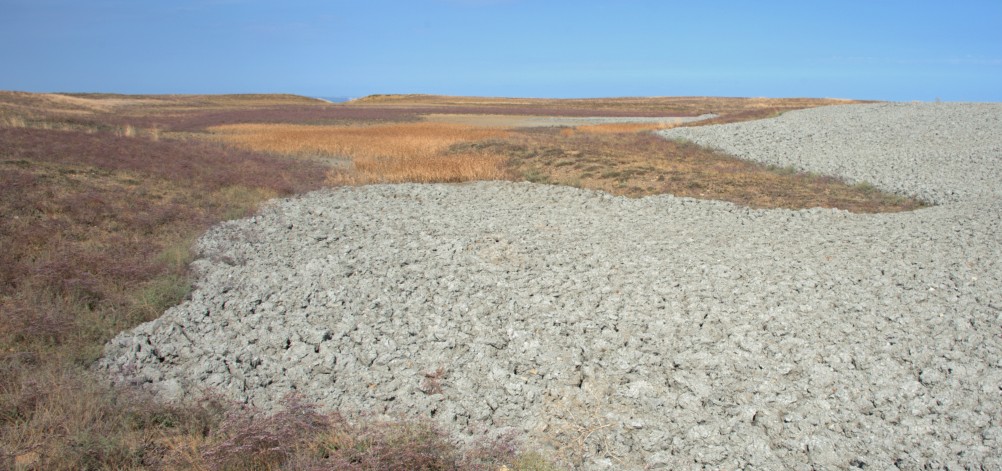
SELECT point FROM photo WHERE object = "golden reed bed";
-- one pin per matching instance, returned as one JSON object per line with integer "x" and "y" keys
{"x": 390, "y": 153}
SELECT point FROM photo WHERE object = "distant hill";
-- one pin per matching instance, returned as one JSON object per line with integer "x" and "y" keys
{"x": 335, "y": 99}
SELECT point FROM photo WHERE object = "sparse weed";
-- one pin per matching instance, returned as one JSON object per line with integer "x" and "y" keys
{"x": 159, "y": 294}
{"x": 535, "y": 176}
{"x": 865, "y": 187}
{"x": 786, "y": 170}
{"x": 314, "y": 115}
{"x": 432, "y": 382}
{"x": 300, "y": 437}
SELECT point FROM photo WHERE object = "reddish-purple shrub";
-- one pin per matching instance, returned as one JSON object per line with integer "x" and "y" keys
{"x": 90, "y": 274}
{"x": 85, "y": 217}
{"x": 35, "y": 319}
{"x": 16, "y": 204}
{"x": 213, "y": 166}
{"x": 292, "y": 115}
{"x": 253, "y": 440}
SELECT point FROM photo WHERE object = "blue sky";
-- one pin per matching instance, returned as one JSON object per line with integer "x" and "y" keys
{"x": 889, "y": 50}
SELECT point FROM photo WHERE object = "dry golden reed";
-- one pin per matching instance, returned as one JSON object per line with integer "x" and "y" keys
{"x": 390, "y": 153}
{"x": 390, "y": 140}
{"x": 433, "y": 168}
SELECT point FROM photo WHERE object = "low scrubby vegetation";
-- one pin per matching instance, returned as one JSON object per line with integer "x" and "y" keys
{"x": 638, "y": 164}
{"x": 97, "y": 232}
{"x": 103, "y": 196}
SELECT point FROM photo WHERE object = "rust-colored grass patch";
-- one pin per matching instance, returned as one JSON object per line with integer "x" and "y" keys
{"x": 638, "y": 164}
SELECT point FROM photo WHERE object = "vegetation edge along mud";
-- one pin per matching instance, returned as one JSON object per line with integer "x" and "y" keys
{"x": 104, "y": 194}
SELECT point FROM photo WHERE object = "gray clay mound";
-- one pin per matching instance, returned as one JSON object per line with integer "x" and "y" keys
{"x": 661, "y": 332}
{"x": 938, "y": 152}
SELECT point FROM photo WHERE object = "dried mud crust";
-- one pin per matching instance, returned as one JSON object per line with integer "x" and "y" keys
{"x": 937, "y": 152}
{"x": 661, "y": 332}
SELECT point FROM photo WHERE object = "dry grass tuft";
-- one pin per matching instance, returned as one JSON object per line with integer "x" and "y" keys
{"x": 13, "y": 122}
{"x": 580, "y": 426}
{"x": 126, "y": 131}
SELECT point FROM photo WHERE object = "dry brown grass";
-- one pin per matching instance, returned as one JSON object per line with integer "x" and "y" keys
{"x": 402, "y": 152}
{"x": 638, "y": 164}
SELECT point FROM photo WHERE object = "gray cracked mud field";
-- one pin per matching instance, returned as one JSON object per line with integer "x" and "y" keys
{"x": 661, "y": 332}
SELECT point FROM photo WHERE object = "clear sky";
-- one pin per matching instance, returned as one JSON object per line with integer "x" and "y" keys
{"x": 889, "y": 50}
